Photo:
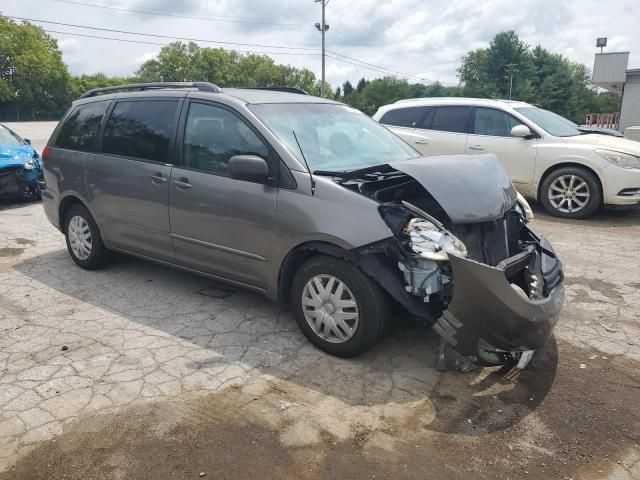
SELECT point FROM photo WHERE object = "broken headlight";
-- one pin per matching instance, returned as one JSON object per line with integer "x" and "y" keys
{"x": 432, "y": 242}
{"x": 525, "y": 208}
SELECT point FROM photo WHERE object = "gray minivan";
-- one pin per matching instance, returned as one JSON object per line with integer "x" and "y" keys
{"x": 310, "y": 202}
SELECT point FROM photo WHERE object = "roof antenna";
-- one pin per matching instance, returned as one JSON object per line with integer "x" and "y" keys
{"x": 313, "y": 182}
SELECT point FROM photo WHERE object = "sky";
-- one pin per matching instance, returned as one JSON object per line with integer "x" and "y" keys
{"x": 421, "y": 40}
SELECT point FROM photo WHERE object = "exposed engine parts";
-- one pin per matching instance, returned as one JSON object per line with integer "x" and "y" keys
{"x": 483, "y": 282}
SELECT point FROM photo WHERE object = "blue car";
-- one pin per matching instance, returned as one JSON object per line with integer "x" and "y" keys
{"x": 21, "y": 173}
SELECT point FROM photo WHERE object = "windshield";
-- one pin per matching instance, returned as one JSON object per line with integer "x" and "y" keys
{"x": 8, "y": 138}
{"x": 550, "y": 122}
{"x": 333, "y": 137}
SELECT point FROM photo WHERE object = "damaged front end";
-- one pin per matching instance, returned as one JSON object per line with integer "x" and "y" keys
{"x": 490, "y": 287}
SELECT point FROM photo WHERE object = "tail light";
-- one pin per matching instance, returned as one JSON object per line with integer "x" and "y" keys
{"x": 45, "y": 154}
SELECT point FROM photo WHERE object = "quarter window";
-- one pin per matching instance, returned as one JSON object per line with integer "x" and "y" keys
{"x": 141, "y": 129}
{"x": 79, "y": 129}
{"x": 403, "y": 117}
{"x": 450, "y": 119}
{"x": 213, "y": 135}
{"x": 489, "y": 121}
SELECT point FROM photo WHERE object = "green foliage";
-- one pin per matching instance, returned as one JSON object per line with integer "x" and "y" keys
{"x": 179, "y": 62}
{"x": 540, "y": 77}
{"x": 84, "y": 83}
{"x": 371, "y": 94}
{"x": 32, "y": 73}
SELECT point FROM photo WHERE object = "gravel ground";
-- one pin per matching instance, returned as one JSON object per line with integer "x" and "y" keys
{"x": 140, "y": 371}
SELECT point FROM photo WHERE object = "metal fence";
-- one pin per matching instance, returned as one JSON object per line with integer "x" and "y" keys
{"x": 13, "y": 115}
{"x": 603, "y": 120}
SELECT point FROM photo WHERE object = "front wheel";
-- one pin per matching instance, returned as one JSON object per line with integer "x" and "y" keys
{"x": 571, "y": 192}
{"x": 340, "y": 309}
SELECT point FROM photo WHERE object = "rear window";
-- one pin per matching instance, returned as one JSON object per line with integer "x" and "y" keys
{"x": 450, "y": 119}
{"x": 403, "y": 117}
{"x": 79, "y": 129}
{"x": 141, "y": 129}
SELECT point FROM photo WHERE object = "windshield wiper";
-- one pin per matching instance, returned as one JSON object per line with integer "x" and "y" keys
{"x": 330, "y": 173}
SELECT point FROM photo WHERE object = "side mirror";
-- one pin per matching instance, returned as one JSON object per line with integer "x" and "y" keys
{"x": 27, "y": 141}
{"x": 249, "y": 168}
{"x": 521, "y": 131}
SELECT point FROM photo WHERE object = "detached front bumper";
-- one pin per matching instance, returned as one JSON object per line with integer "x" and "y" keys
{"x": 485, "y": 306}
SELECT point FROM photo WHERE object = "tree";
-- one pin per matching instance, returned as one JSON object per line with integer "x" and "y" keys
{"x": 84, "y": 83}
{"x": 33, "y": 76}
{"x": 543, "y": 78}
{"x": 178, "y": 62}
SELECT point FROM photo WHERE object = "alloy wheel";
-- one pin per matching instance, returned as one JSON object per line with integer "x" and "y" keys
{"x": 79, "y": 237}
{"x": 569, "y": 194}
{"x": 330, "y": 308}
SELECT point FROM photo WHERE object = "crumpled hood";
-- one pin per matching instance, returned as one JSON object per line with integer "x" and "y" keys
{"x": 12, "y": 156}
{"x": 470, "y": 188}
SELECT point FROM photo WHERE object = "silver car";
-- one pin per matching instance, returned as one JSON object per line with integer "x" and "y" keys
{"x": 309, "y": 202}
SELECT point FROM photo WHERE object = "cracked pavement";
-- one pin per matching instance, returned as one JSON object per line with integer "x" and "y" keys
{"x": 80, "y": 351}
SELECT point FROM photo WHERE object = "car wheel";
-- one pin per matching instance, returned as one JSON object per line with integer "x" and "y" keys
{"x": 340, "y": 309}
{"x": 83, "y": 239}
{"x": 571, "y": 192}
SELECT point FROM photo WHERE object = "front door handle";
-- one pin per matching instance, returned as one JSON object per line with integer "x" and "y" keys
{"x": 476, "y": 147}
{"x": 421, "y": 141}
{"x": 157, "y": 178}
{"x": 182, "y": 183}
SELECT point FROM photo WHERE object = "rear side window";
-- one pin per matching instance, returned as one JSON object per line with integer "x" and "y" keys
{"x": 403, "y": 117}
{"x": 79, "y": 129}
{"x": 141, "y": 129}
{"x": 450, "y": 119}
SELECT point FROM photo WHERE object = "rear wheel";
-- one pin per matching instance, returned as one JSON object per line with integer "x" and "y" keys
{"x": 339, "y": 309}
{"x": 83, "y": 239}
{"x": 571, "y": 192}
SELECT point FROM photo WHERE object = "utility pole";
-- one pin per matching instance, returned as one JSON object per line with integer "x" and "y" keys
{"x": 322, "y": 28}
{"x": 510, "y": 71}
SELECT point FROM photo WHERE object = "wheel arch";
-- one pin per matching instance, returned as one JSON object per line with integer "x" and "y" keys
{"x": 300, "y": 254}
{"x": 65, "y": 205}
{"x": 560, "y": 165}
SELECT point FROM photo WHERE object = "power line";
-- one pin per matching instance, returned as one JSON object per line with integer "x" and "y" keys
{"x": 363, "y": 66}
{"x": 127, "y": 40}
{"x": 378, "y": 67}
{"x": 190, "y": 17}
{"x": 190, "y": 39}
{"x": 335, "y": 55}
{"x": 386, "y": 70}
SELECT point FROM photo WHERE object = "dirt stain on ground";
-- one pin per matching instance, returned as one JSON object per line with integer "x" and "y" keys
{"x": 608, "y": 289}
{"x": 25, "y": 241}
{"x": 10, "y": 251}
{"x": 573, "y": 414}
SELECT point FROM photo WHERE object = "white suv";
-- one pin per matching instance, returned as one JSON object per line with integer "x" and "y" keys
{"x": 571, "y": 173}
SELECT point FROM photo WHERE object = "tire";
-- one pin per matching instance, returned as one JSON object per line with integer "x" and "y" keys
{"x": 588, "y": 191}
{"x": 371, "y": 304}
{"x": 98, "y": 256}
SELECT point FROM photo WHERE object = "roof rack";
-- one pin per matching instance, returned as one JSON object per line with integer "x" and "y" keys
{"x": 202, "y": 86}
{"x": 281, "y": 89}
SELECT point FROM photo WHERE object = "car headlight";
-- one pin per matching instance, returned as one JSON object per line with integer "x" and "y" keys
{"x": 525, "y": 208}
{"x": 431, "y": 242}
{"x": 29, "y": 165}
{"x": 620, "y": 159}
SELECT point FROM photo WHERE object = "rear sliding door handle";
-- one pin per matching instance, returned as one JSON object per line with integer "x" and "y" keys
{"x": 476, "y": 147}
{"x": 158, "y": 178}
{"x": 182, "y": 184}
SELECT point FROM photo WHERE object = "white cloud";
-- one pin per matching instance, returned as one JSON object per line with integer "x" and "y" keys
{"x": 425, "y": 38}
{"x": 68, "y": 45}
